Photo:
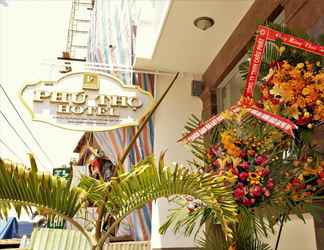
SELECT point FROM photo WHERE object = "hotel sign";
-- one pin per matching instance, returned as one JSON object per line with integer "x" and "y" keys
{"x": 86, "y": 101}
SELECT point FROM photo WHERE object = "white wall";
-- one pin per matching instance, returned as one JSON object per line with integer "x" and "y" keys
{"x": 296, "y": 235}
{"x": 170, "y": 119}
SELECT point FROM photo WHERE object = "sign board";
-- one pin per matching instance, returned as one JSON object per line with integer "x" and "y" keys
{"x": 63, "y": 172}
{"x": 86, "y": 101}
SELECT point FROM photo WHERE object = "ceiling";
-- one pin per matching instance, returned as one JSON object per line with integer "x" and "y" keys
{"x": 183, "y": 47}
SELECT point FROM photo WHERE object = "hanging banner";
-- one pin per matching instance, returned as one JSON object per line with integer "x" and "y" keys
{"x": 202, "y": 129}
{"x": 206, "y": 126}
{"x": 86, "y": 101}
{"x": 255, "y": 65}
{"x": 274, "y": 120}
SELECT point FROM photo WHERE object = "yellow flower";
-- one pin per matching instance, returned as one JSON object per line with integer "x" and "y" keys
{"x": 300, "y": 65}
{"x": 307, "y": 90}
{"x": 274, "y": 108}
{"x": 236, "y": 161}
{"x": 254, "y": 178}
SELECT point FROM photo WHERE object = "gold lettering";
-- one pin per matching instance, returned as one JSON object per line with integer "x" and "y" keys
{"x": 90, "y": 110}
{"x": 64, "y": 109}
{"x": 134, "y": 103}
{"x": 79, "y": 98}
{"x": 102, "y": 111}
{"x": 119, "y": 101}
{"x": 112, "y": 112}
{"x": 77, "y": 109}
{"x": 39, "y": 95}
{"x": 60, "y": 97}
{"x": 103, "y": 100}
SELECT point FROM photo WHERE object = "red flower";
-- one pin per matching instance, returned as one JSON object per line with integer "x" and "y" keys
{"x": 275, "y": 101}
{"x": 265, "y": 172}
{"x": 266, "y": 192}
{"x": 320, "y": 181}
{"x": 255, "y": 191}
{"x": 238, "y": 193}
{"x": 303, "y": 121}
{"x": 261, "y": 159}
{"x": 321, "y": 174}
{"x": 244, "y": 165}
{"x": 243, "y": 154}
{"x": 270, "y": 184}
{"x": 214, "y": 149}
{"x": 297, "y": 184}
{"x": 248, "y": 202}
{"x": 243, "y": 176}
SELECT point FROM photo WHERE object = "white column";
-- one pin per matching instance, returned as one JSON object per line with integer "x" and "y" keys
{"x": 170, "y": 119}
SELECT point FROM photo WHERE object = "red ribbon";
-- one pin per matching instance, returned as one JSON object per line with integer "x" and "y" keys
{"x": 255, "y": 65}
{"x": 203, "y": 128}
{"x": 293, "y": 41}
{"x": 274, "y": 120}
{"x": 264, "y": 34}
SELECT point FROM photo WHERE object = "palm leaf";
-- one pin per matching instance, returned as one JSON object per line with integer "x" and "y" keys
{"x": 180, "y": 218}
{"x": 22, "y": 188}
{"x": 148, "y": 182}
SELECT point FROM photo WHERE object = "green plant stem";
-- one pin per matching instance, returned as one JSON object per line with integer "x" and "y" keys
{"x": 105, "y": 235}
{"x": 146, "y": 119}
{"x": 101, "y": 214}
{"x": 81, "y": 229}
{"x": 99, "y": 223}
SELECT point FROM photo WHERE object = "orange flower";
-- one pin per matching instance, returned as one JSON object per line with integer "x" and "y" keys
{"x": 300, "y": 102}
{"x": 228, "y": 142}
{"x": 319, "y": 113}
{"x": 294, "y": 111}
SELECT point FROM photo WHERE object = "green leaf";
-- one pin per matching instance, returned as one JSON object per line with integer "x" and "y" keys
{"x": 22, "y": 188}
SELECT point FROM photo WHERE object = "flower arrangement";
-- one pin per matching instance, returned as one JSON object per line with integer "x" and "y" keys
{"x": 256, "y": 142}
{"x": 309, "y": 182}
{"x": 247, "y": 156}
{"x": 295, "y": 91}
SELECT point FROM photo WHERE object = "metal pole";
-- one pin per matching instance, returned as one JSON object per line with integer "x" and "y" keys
{"x": 282, "y": 221}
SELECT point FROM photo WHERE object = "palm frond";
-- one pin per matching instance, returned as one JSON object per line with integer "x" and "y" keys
{"x": 147, "y": 182}
{"x": 23, "y": 188}
{"x": 181, "y": 219}
{"x": 213, "y": 239}
{"x": 197, "y": 147}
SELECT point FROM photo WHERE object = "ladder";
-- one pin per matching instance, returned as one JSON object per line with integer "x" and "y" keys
{"x": 78, "y": 32}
